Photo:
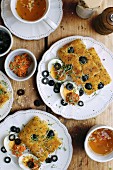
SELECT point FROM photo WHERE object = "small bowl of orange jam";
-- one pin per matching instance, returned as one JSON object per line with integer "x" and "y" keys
{"x": 99, "y": 143}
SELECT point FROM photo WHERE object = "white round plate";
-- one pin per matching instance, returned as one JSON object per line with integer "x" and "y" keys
{"x": 93, "y": 104}
{"x": 5, "y": 109}
{"x": 19, "y": 119}
{"x": 31, "y": 31}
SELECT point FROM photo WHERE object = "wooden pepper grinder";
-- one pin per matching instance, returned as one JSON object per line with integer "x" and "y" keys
{"x": 103, "y": 24}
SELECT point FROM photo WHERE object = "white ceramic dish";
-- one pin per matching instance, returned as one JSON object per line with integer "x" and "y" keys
{"x": 10, "y": 58}
{"x": 93, "y": 104}
{"x": 11, "y": 38}
{"x": 19, "y": 119}
{"x": 13, "y": 4}
{"x": 32, "y": 31}
{"x": 90, "y": 153}
{"x": 7, "y": 106}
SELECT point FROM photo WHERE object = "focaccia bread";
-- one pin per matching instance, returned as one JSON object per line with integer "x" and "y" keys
{"x": 35, "y": 136}
{"x": 102, "y": 77}
{"x": 71, "y": 53}
{"x": 4, "y": 95}
{"x": 90, "y": 66}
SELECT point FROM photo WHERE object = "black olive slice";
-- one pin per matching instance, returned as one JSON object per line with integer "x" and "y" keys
{"x": 54, "y": 158}
{"x": 88, "y": 86}
{"x": 83, "y": 60}
{"x": 57, "y": 85}
{"x": 70, "y": 50}
{"x": 48, "y": 160}
{"x": 3, "y": 149}
{"x": 13, "y": 129}
{"x": 45, "y": 73}
{"x": 51, "y": 83}
{"x": 45, "y": 80}
{"x": 85, "y": 77}
{"x": 34, "y": 137}
{"x": 63, "y": 102}
{"x": 17, "y": 141}
{"x": 57, "y": 66}
{"x": 81, "y": 92}
{"x": 50, "y": 134}
{"x": 81, "y": 103}
{"x": 100, "y": 85}
{"x": 56, "y": 88}
{"x": 20, "y": 92}
{"x": 69, "y": 86}
{"x": 12, "y": 137}
{"x": 17, "y": 130}
{"x": 7, "y": 159}
{"x": 37, "y": 102}
{"x": 30, "y": 164}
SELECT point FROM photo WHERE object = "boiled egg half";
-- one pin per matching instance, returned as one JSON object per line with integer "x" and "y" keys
{"x": 56, "y": 70}
{"x": 8, "y": 144}
{"x": 28, "y": 161}
{"x": 69, "y": 92}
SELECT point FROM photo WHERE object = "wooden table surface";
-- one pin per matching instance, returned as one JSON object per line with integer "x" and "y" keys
{"x": 71, "y": 25}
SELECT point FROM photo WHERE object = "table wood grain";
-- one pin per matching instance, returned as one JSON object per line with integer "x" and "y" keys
{"x": 71, "y": 25}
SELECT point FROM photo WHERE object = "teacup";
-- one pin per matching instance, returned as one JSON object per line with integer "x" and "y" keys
{"x": 44, "y": 17}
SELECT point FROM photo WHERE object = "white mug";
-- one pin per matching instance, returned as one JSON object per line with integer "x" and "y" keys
{"x": 84, "y": 12}
{"x": 45, "y": 18}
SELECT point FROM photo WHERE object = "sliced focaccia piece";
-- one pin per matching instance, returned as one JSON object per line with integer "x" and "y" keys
{"x": 4, "y": 95}
{"x": 41, "y": 140}
{"x": 98, "y": 81}
{"x": 95, "y": 57}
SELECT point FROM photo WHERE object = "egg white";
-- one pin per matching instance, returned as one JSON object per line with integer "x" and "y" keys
{"x": 21, "y": 163}
{"x": 6, "y": 145}
{"x": 50, "y": 64}
{"x": 64, "y": 85}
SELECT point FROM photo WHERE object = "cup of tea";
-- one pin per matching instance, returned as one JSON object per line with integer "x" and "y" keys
{"x": 32, "y": 11}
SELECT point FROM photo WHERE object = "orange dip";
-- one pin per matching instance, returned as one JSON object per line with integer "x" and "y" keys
{"x": 72, "y": 98}
{"x": 17, "y": 150}
{"x": 58, "y": 74}
{"x": 101, "y": 141}
{"x": 21, "y": 64}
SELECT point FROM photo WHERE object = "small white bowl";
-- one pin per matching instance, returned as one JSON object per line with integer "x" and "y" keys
{"x": 90, "y": 153}
{"x": 13, "y": 4}
{"x": 7, "y": 31}
{"x": 10, "y": 58}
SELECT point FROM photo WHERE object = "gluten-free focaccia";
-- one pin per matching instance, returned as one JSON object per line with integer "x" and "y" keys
{"x": 86, "y": 65}
{"x": 41, "y": 140}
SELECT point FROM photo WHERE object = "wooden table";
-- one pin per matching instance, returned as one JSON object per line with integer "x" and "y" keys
{"x": 71, "y": 25}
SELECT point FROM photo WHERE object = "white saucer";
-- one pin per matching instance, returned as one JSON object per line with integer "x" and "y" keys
{"x": 31, "y": 31}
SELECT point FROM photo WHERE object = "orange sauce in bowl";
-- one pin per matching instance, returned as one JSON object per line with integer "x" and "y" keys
{"x": 101, "y": 141}
{"x": 31, "y": 10}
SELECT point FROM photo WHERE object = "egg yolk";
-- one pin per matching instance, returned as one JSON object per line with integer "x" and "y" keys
{"x": 28, "y": 158}
{"x": 11, "y": 144}
{"x": 57, "y": 74}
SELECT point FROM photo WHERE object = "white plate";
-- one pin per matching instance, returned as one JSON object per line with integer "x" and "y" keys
{"x": 5, "y": 109}
{"x": 19, "y": 119}
{"x": 93, "y": 104}
{"x": 31, "y": 31}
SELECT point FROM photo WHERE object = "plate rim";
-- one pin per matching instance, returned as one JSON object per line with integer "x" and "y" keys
{"x": 12, "y": 98}
{"x": 51, "y": 116}
{"x": 71, "y": 38}
{"x": 33, "y": 37}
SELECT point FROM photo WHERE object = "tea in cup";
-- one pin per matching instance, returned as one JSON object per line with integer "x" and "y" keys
{"x": 31, "y": 11}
